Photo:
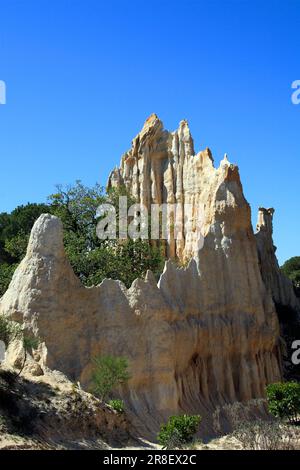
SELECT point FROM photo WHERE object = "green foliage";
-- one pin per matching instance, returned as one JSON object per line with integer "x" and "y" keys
{"x": 109, "y": 372}
{"x": 92, "y": 259}
{"x": 284, "y": 400}
{"x": 77, "y": 206}
{"x": 6, "y": 274}
{"x": 112, "y": 260}
{"x": 30, "y": 342}
{"x": 179, "y": 431}
{"x": 117, "y": 405}
{"x": 14, "y": 234}
{"x": 9, "y": 330}
{"x": 17, "y": 225}
{"x": 291, "y": 268}
{"x": 16, "y": 246}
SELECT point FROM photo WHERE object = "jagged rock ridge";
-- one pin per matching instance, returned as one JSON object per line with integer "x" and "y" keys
{"x": 203, "y": 336}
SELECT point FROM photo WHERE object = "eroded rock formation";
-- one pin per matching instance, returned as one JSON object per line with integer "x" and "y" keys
{"x": 203, "y": 336}
{"x": 281, "y": 289}
{"x": 278, "y": 284}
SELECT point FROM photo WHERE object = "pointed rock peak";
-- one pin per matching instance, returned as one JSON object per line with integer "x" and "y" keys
{"x": 193, "y": 266}
{"x": 184, "y": 123}
{"x": 232, "y": 173}
{"x": 151, "y": 126}
{"x": 185, "y": 136}
{"x": 225, "y": 161}
{"x": 153, "y": 117}
{"x": 209, "y": 154}
{"x": 265, "y": 219}
{"x": 150, "y": 278}
{"x": 152, "y": 121}
{"x": 46, "y": 237}
{"x": 184, "y": 129}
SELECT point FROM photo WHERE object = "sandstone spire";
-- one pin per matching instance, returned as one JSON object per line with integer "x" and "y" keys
{"x": 203, "y": 335}
{"x": 278, "y": 284}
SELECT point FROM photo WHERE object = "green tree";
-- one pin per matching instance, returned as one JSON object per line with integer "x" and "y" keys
{"x": 291, "y": 268}
{"x": 14, "y": 234}
{"x": 77, "y": 206}
{"x": 93, "y": 259}
{"x": 284, "y": 400}
{"x": 109, "y": 372}
{"x": 16, "y": 225}
{"x": 6, "y": 274}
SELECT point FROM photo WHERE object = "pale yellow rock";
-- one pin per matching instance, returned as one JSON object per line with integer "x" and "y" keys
{"x": 203, "y": 336}
{"x": 161, "y": 167}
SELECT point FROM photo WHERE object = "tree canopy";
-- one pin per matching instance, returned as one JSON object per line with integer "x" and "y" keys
{"x": 291, "y": 268}
{"x": 92, "y": 259}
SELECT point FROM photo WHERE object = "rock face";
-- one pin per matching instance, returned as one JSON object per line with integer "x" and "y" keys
{"x": 161, "y": 168}
{"x": 279, "y": 285}
{"x": 205, "y": 335}
{"x": 282, "y": 291}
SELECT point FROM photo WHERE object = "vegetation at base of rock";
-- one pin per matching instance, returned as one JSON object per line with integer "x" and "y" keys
{"x": 284, "y": 400}
{"x": 117, "y": 405}
{"x": 254, "y": 429}
{"x": 179, "y": 431}
{"x": 47, "y": 414}
{"x": 9, "y": 330}
{"x": 109, "y": 372}
{"x": 92, "y": 259}
{"x": 265, "y": 435}
{"x": 29, "y": 343}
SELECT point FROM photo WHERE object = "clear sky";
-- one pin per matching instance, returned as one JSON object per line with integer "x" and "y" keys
{"x": 83, "y": 75}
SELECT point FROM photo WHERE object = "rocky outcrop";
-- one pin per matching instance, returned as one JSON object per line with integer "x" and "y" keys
{"x": 281, "y": 288}
{"x": 161, "y": 168}
{"x": 276, "y": 282}
{"x": 205, "y": 335}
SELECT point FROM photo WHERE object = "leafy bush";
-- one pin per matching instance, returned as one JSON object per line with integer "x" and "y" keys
{"x": 117, "y": 405}
{"x": 284, "y": 400}
{"x": 109, "y": 372}
{"x": 29, "y": 343}
{"x": 9, "y": 330}
{"x": 179, "y": 431}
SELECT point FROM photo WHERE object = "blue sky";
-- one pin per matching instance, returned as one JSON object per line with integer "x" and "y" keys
{"x": 83, "y": 75}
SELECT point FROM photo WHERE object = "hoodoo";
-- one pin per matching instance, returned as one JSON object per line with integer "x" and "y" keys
{"x": 206, "y": 334}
